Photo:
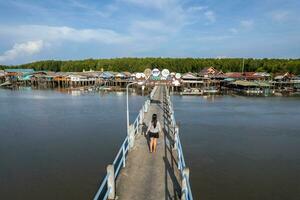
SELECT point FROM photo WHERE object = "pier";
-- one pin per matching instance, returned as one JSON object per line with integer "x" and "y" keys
{"x": 138, "y": 174}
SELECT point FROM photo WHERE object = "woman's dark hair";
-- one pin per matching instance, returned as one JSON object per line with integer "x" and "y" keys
{"x": 154, "y": 120}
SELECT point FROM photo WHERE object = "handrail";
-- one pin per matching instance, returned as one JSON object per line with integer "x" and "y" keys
{"x": 104, "y": 183}
{"x": 187, "y": 192}
{"x": 120, "y": 159}
{"x": 153, "y": 92}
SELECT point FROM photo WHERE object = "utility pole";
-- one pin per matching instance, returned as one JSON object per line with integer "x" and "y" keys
{"x": 243, "y": 65}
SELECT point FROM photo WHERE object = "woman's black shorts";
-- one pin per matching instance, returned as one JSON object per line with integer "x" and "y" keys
{"x": 153, "y": 135}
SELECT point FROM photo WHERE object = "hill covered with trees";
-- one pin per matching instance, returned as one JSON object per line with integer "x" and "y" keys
{"x": 173, "y": 64}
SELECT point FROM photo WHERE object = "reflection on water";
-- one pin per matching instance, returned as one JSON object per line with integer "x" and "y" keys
{"x": 56, "y": 145}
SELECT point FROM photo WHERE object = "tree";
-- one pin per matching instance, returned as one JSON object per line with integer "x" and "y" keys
{"x": 173, "y": 64}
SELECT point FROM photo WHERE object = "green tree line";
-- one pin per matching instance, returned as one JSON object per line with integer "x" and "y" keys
{"x": 173, "y": 64}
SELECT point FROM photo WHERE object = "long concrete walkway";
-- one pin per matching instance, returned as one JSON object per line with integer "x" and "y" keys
{"x": 151, "y": 176}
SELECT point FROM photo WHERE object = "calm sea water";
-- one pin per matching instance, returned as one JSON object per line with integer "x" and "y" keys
{"x": 241, "y": 148}
{"x": 55, "y": 145}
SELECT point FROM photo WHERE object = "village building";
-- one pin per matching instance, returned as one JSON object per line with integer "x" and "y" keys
{"x": 2, "y": 76}
{"x": 106, "y": 75}
{"x": 251, "y": 76}
{"x": 81, "y": 80}
{"x": 15, "y": 74}
{"x": 207, "y": 81}
{"x": 191, "y": 80}
{"x": 252, "y": 87}
{"x": 209, "y": 72}
{"x": 285, "y": 83}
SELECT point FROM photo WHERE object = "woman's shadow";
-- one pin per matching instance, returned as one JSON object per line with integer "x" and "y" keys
{"x": 143, "y": 132}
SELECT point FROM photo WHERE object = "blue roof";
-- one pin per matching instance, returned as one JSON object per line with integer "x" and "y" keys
{"x": 25, "y": 78}
{"x": 106, "y": 75}
{"x": 19, "y": 70}
{"x": 229, "y": 79}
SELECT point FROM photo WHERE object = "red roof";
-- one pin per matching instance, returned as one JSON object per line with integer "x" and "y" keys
{"x": 242, "y": 75}
{"x": 208, "y": 71}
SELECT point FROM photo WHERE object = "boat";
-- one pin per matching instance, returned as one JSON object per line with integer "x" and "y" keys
{"x": 7, "y": 83}
{"x": 191, "y": 91}
{"x": 210, "y": 90}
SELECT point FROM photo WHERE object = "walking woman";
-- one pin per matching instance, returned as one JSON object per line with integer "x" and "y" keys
{"x": 154, "y": 129}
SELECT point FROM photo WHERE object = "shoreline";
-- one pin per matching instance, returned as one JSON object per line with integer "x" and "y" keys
{"x": 139, "y": 92}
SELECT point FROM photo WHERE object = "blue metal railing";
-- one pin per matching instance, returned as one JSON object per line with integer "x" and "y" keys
{"x": 120, "y": 159}
{"x": 181, "y": 166}
{"x": 186, "y": 187}
{"x": 153, "y": 92}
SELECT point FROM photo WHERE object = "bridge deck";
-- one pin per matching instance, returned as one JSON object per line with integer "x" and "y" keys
{"x": 152, "y": 176}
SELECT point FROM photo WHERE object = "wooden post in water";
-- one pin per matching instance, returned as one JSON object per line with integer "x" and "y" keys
{"x": 111, "y": 186}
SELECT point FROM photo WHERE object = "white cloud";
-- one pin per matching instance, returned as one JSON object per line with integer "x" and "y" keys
{"x": 151, "y": 26}
{"x": 139, "y": 33}
{"x": 247, "y": 24}
{"x": 280, "y": 15}
{"x": 233, "y": 30}
{"x": 172, "y": 18}
{"x": 244, "y": 25}
{"x": 22, "y": 49}
{"x": 175, "y": 13}
{"x": 157, "y": 4}
{"x": 136, "y": 40}
{"x": 213, "y": 38}
{"x": 106, "y": 11}
{"x": 41, "y": 37}
{"x": 210, "y": 15}
{"x": 65, "y": 7}
{"x": 197, "y": 8}
{"x": 57, "y": 33}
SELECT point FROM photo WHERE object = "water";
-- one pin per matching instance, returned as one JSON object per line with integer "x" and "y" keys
{"x": 241, "y": 147}
{"x": 56, "y": 146}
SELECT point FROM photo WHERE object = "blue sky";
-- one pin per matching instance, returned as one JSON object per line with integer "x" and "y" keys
{"x": 74, "y": 29}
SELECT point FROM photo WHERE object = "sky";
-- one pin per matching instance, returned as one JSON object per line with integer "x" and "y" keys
{"x": 34, "y": 30}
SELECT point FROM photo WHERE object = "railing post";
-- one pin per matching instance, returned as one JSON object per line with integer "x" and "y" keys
{"x": 179, "y": 159}
{"x": 146, "y": 106}
{"x": 111, "y": 181}
{"x": 131, "y": 136}
{"x": 176, "y": 138}
{"x": 185, "y": 179}
{"x": 141, "y": 116}
{"x": 179, "y": 152}
{"x": 124, "y": 155}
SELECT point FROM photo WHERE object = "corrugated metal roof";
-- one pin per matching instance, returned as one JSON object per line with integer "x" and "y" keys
{"x": 106, "y": 75}
{"x": 189, "y": 75}
{"x": 250, "y": 83}
{"x": 19, "y": 70}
